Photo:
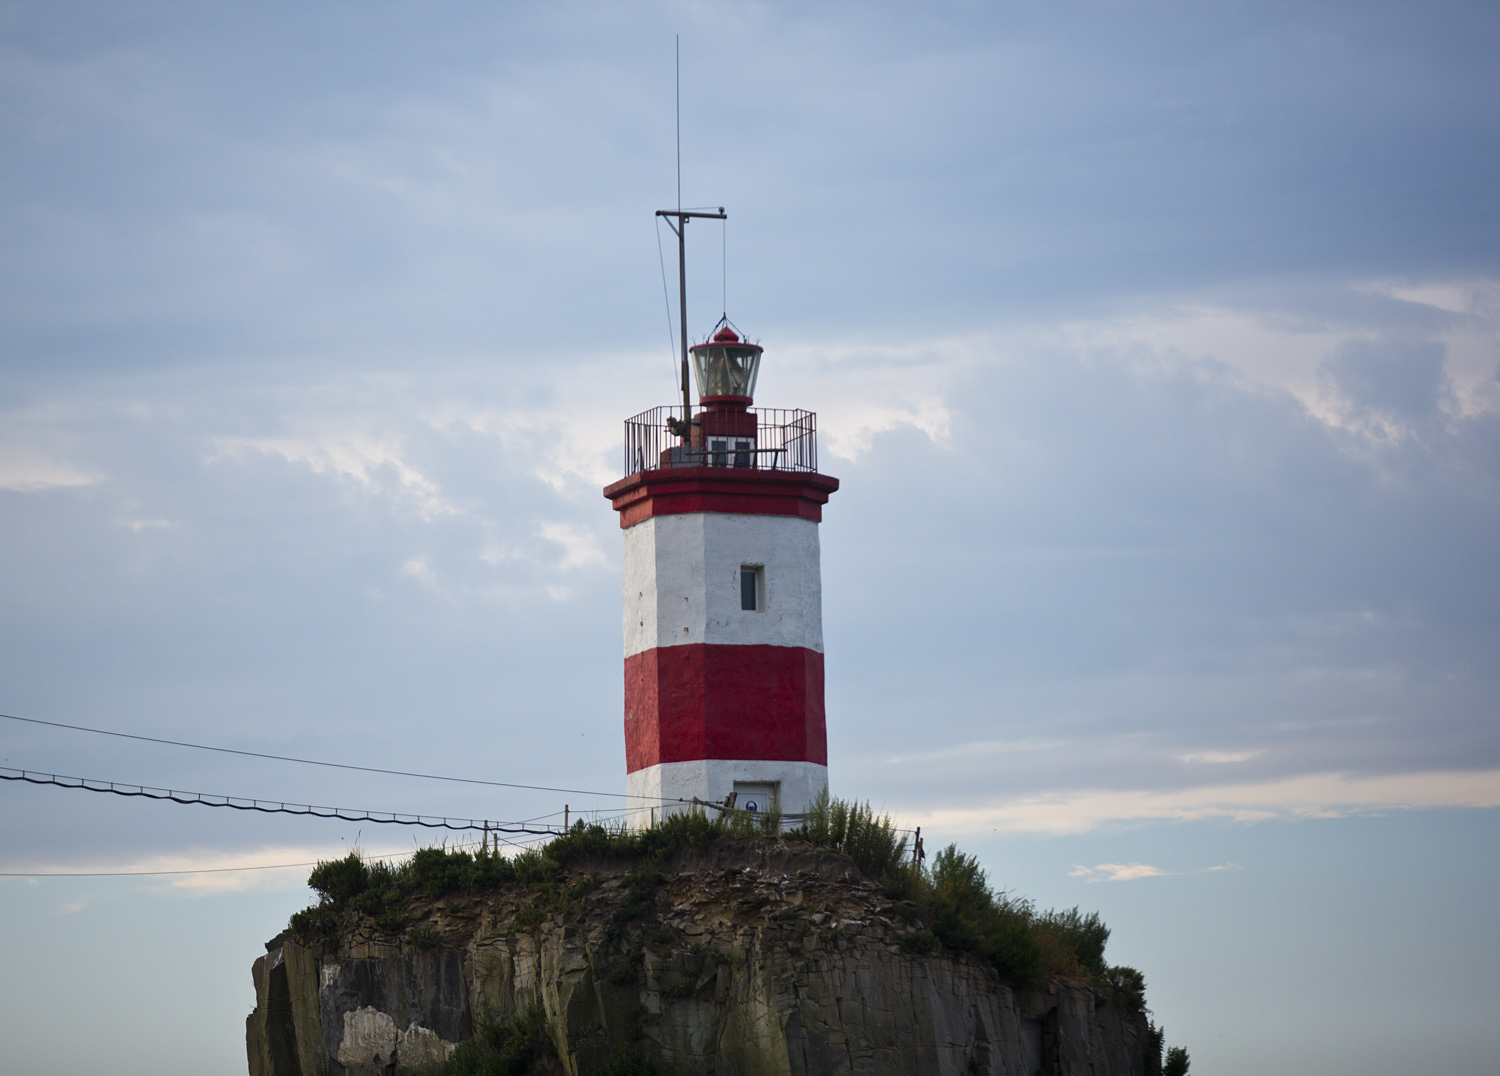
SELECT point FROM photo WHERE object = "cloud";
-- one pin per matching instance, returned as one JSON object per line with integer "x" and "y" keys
{"x": 200, "y": 873}
{"x": 26, "y": 472}
{"x": 1129, "y": 872}
{"x": 868, "y": 388}
{"x": 564, "y": 447}
{"x": 1333, "y": 355}
{"x": 417, "y": 568}
{"x": 373, "y": 463}
{"x": 1401, "y": 381}
{"x": 1216, "y": 757}
{"x": 1116, "y": 872}
{"x": 979, "y": 749}
{"x": 580, "y": 546}
{"x": 281, "y": 867}
{"x": 1324, "y": 795}
{"x": 1453, "y": 298}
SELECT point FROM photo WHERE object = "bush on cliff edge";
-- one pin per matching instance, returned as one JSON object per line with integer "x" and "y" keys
{"x": 953, "y": 897}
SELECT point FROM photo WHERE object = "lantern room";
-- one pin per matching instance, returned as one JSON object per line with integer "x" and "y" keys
{"x": 725, "y": 367}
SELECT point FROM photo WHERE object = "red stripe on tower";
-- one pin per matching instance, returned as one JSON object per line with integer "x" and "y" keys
{"x": 725, "y": 702}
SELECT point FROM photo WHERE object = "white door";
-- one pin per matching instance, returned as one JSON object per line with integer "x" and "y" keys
{"x": 755, "y": 796}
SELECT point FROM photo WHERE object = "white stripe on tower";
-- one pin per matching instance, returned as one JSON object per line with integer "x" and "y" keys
{"x": 682, "y": 581}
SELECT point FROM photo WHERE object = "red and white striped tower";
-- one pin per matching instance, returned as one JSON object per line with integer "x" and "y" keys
{"x": 723, "y": 597}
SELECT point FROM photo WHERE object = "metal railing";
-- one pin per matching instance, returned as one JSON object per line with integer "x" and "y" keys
{"x": 784, "y": 440}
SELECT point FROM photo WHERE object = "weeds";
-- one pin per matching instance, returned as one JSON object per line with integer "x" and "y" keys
{"x": 854, "y": 830}
{"x": 628, "y": 973}
{"x": 951, "y": 902}
{"x": 516, "y": 1047}
{"x": 919, "y": 941}
{"x": 624, "y": 1062}
{"x": 1084, "y": 936}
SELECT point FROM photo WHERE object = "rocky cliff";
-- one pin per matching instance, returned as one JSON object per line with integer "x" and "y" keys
{"x": 743, "y": 958}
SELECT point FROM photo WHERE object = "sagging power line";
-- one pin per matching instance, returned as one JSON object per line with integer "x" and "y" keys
{"x": 241, "y": 803}
{"x": 331, "y": 765}
{"x": 198, "y": 870}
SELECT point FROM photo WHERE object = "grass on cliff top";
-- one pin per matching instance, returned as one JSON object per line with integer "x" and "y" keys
{"x": 951, "y": 901}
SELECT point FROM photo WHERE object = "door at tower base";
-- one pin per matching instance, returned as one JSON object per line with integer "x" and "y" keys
{"x": 668, "y": 787}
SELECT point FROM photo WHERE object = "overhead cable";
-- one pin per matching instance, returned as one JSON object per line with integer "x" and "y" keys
{"x": 199, "y": 870}
{"x": 333, "y": 765}
{"x": 240, "y": 803}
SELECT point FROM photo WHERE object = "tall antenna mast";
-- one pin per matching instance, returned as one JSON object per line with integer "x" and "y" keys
{"x": 680, "y": 227}
{"x": 677, "y": 55}
{"x": 683, "y": 216}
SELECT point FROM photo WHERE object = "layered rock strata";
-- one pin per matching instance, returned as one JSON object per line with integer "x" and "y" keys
{"x": 743, "y": 959}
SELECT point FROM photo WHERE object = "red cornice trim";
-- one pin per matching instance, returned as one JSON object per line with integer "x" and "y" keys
{"x": 679, "y": 490}
{"x": 701, "y": 701}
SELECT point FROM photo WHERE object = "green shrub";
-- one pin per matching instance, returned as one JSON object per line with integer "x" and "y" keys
{"x": 854, "y": 830}
{"x": 517, "y": 1047}
{"x": 1151, "y": 1047}
{"x": 1072, "y": 944}
{"x": 438, "y": 872}
{"x": 967, "y": 915}
{"x": 531, "y": 915}
{"x": 339, "y": 881}
{"x": 625, "y": 1062}
{"x": 1176, "y": 1063}
{"x": 1127, "y": 987}
{"x": 423, "y": 937}
{"x": 628, "y": 973}
{"x": 581, "y": 888}
{"x": 640, "y": 897}
{"x": 315, "y": 923}
{"x": 960, "y": 883}
{"x": 391, "y": 922}
{"x": 919, "y": 941}
{"x": 951, "y": 901}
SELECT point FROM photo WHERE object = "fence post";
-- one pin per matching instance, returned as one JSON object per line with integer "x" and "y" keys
{"x": 565, "y": 818}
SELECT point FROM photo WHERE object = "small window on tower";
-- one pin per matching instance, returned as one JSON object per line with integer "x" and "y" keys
{"x": 749, "y": 587}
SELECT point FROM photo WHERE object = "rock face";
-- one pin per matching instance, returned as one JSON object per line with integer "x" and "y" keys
{"x": 748, "y": 958}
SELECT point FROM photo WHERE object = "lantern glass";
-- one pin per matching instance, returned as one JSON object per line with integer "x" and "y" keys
{"x": 726, "y": 369}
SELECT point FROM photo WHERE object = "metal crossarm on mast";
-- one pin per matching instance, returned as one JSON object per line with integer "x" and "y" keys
{"x": 680, "y": 228}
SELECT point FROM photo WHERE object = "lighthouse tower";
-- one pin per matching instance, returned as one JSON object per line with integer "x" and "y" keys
{"x": 723, "y": 597}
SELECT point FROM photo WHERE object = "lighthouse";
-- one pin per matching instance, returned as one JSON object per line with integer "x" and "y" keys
{"x": 723, "y": 619}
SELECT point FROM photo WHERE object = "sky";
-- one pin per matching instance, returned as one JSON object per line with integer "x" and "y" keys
{"x": 1156, "y": 347}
